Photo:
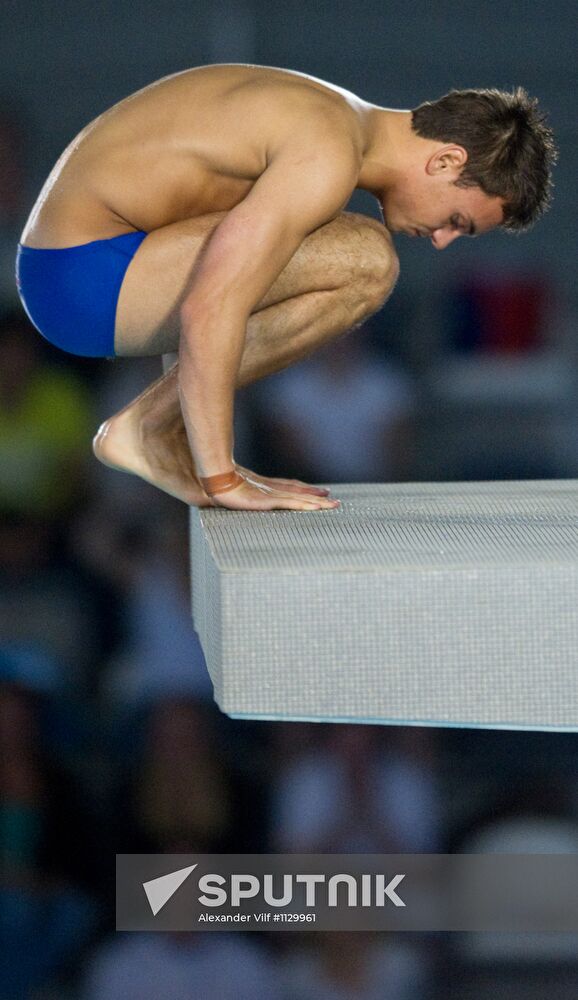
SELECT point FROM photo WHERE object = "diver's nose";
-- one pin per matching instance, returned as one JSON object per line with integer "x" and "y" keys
{"x": 441, "y": 238}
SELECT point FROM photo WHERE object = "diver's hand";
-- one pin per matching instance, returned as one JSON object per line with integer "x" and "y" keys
{"x": 285, "y": 485}
{"x": 254, "y": 494}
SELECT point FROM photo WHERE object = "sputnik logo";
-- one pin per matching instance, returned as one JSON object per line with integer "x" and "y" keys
{"x": 160, "y": 890}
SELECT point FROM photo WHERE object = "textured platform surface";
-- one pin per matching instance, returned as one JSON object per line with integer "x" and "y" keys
{"x": 421, "y": 603}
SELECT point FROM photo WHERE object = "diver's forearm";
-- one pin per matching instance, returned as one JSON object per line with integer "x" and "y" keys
{"x": 210, "y": 354}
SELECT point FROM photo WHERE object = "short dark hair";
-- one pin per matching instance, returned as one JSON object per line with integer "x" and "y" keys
{"x": 510, "y": 147}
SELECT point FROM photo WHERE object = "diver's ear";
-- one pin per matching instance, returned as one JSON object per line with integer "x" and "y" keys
{"x": 448, "y": 160}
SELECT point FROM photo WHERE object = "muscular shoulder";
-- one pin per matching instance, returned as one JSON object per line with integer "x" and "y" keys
{"x": 287, "y": 109}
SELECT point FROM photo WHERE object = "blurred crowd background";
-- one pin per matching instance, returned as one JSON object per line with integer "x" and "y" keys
{"x": 110, "y": 740}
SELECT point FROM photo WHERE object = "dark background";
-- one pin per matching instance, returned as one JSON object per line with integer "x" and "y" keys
{"x": 109, "y": 738}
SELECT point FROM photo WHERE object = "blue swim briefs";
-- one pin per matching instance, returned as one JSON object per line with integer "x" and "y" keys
{"x": 71, "y": 293}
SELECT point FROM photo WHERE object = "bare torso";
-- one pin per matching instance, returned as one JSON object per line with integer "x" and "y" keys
{"x": 187, "y": 145}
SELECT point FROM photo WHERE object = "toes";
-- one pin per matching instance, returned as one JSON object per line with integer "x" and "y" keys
{"x": 102, "y": 446}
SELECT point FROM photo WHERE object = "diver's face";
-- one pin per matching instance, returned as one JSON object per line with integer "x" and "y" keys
{"x": 426, "y": 202}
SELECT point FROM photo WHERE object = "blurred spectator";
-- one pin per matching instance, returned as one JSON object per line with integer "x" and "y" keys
{"x": 45, "y": 425}
{"x": 148, "y": 564}
{"x": 183, "y": 966}
{"x": 534, "y": 793}
{"x": 43, "y": 602}
{"x": 360, "y": 791}
{"x": 530, "y": 816}
{"x": 180, "y": 792}
{"x": 355, "y": 966}
{"x": 45, "y": 843}
{"x": 12, "y": 166}
{"x": 29, "y": 665}
{"x": 503, "y": 314}
{"x": 342, "y": 416}
{"x": 13, "y": 194}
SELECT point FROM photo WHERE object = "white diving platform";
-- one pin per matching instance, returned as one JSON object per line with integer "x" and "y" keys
{"x": 445, "y": 604}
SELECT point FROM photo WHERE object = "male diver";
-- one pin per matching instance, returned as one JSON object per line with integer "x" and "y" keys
{"x": 203, "y": 215}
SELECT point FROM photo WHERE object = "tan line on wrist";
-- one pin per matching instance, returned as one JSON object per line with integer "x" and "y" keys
{"x": 221, "y": 483}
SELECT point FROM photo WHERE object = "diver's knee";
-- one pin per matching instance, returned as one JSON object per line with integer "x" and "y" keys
{"x": 374, "y": 259}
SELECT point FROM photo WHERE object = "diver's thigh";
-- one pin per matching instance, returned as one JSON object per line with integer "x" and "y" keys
{"x": 154, "y": 285}
{"x": 159, "y": 275}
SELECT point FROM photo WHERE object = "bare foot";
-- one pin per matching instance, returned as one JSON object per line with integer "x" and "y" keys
{"x": 148, "y": 439}
{"x": 162, "y": 459}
